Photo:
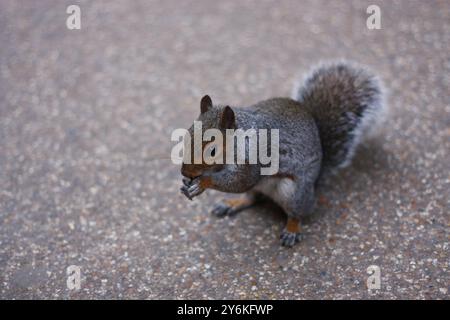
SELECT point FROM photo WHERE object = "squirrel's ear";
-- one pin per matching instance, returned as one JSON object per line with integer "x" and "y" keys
{"x": 227, "y": 118}
{"x": 205, "y": 104}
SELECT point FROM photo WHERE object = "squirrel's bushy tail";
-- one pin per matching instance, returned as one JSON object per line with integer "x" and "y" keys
{"x": 346, "y": 103}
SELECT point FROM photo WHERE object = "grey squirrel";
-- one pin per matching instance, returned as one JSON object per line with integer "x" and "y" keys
{"x": 319, "y": 130}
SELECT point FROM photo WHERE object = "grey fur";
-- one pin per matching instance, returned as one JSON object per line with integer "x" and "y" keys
{"x": 319, "y": 131}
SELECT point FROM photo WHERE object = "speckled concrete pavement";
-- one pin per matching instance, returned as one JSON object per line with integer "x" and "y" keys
{"x": 85, "y": 176}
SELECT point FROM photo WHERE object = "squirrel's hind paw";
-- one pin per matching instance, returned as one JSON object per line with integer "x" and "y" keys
{"x": 230, "y": 207}
{"x": 221, "y": 210}
{"x": 289, "y": 239}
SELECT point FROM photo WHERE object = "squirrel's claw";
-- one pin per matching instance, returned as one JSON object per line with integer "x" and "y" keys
{"x": 221, "y": 210}
{"x": 191, "y": 188}
{"x": 184, "y": 191}
{"x": 289, "y": 239}
{"x": 195, "y": 189}
{"x": 187, "y": 181}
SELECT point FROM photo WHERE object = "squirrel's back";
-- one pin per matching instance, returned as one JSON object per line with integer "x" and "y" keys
{"x": 346, "y": 103}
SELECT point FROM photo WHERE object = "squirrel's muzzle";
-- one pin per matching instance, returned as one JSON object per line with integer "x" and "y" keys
{"x": 190, "y": 171}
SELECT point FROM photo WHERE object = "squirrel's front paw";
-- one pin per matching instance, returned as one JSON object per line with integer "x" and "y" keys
{"x": 191, "y": 188}
{"x": 289, "y": 239}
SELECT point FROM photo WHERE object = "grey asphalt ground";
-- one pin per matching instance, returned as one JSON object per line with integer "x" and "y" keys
{"x": 86, "y": 179}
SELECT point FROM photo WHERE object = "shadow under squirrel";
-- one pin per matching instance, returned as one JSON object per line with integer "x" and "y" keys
{"x": 319, "y": 130}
